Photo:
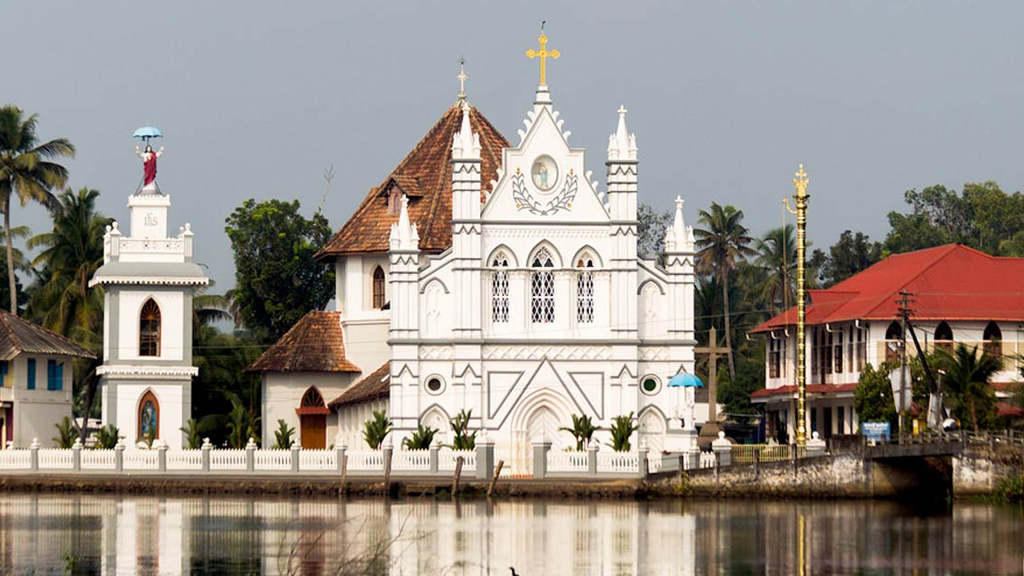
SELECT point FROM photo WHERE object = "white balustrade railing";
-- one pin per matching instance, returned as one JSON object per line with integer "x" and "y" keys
{"x": 185, "y": 459}
{"x": 410, "y": 460}
{"x": 318, "y": 460}
{"x": 141, "y": 460}
{"x": 707, "y": 459}
{"x": 446, "y": 459}
{"x": 365, "y": 460}
{"x": 55, "y": 459}
{"x": 654, "y": 462}
{"x": 15, "y": 459}
{"x": 273, "y": 460}
{"x": 98, "y": 460}
{"x": 622, "y": 462}
{"x": 227, "y": 459}
{"x": 563, "y": 461}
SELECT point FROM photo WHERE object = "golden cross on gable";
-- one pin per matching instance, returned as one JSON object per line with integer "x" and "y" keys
{"x": 543, "y": 54}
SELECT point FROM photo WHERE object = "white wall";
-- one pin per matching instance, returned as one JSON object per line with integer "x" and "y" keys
{"x": 171, "y": 323}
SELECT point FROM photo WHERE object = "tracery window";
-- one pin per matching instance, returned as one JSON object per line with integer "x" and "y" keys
{"x": 993, "y": 340}
{"x": 149, "y": 329}
{"x": 499, "y": 289}
{"x": 542, "y": 289}
{"x": 585, "y": 291}
{"x": 378, "y": 288}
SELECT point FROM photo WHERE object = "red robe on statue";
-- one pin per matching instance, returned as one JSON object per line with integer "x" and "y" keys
{"x": 149, "y": 168}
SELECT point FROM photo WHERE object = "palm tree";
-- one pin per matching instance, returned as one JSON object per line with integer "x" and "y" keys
{"x": 966, "y": 385}
{"x": 26, "y": 170}
{"x": 722, "y": 243}
{"x": 71, "y": 254}
{"x": 776, "y": 255}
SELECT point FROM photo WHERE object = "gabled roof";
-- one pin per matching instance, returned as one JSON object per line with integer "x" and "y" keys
{"x": 376, "y": 385}
{"x": 19, "y": 336}
{"x": 951, "y": 282}
{"x": 314, "y": 344}
{"x": 425, "y": 176}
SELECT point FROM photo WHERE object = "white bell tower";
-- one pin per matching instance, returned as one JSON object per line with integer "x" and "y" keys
{"x": 149, "y": 280}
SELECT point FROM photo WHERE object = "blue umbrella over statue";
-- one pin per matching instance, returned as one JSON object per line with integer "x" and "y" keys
{"x": 148, "y": 156}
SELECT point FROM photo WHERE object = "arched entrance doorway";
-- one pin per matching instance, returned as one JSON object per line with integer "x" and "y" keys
{"x": 540, "y": 414}
{"x": 652, "y": 431}
{"x": 313, "y": 420}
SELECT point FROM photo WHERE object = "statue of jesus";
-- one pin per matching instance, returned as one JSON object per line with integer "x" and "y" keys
{"x": 149, "y": 166}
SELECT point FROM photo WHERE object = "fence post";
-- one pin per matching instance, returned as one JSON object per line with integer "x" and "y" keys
{"x": 161, "y": 456}
{"x": 723, "y": 450}
{"x": 540, "y": 456}
{"x": 341, "y": 448}
{"x": 76, "y": 455}
{"x": 757, "y": 463}
{"x": 250, "y": 455}
{"x": 34, "y": 455}
{"x": 119, "y": 456}
{"x": 484, "y": 456}
{"x": 641, "y": 463}
{"x": 435, "y": 449}
{"x": 205, "y": 453}
{"x": 592, "y": 449}
{"x": 295, "y": 456}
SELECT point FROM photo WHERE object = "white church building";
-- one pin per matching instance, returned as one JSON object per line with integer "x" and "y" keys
{"x": 497, "y": 278}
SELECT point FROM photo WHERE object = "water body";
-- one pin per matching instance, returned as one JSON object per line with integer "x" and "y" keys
{"x": 104, "y": 534}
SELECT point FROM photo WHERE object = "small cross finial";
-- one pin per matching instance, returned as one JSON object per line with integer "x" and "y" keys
{"x": 543, "y": 54}
{"x": 622, "y": 110}
{"x": 801, "y": 181}
{"x": 462, "y": 79}
{"x": 679, "y": 202}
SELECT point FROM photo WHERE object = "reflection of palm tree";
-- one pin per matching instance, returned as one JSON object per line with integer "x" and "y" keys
{"x": 722, "y": 244}
{"x": 26, "y": 170}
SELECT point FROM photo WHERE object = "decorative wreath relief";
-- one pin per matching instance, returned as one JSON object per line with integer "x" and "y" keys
{"x": 526, "y": 201}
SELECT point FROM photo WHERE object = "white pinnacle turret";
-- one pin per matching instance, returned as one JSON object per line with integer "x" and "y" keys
{"x": 466, "y": 144}
{"x": 622, "y": 145}
{"x": 404, "y": 236}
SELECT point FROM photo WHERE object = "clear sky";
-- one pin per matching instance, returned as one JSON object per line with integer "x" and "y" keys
{"x": 256, "y": 98}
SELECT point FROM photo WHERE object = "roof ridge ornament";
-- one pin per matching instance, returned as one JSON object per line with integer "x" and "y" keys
{"x": 543, "y": 54}
{"x": 462, "y": 77}
{"x": 621, "y": 144}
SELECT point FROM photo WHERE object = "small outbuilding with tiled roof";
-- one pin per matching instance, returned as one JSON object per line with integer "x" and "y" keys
{"x": 32, "y": 401}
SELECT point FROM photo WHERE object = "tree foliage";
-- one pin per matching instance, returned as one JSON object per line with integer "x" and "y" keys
{"x": 376, "y": 429}
{"x": 420, "y": 439}
{"x": 622, "y": 429}
{"x": 872, "y": 399}
{"x": 284, "y": 436}
{"x": 27, "y": 171}
{"x": 277, "y": 279}
{"x": 650, "y": 230}
{"x": 965, "y": 386}
{"x": 463, "y": 439}
{"x": 850, "y": 255}
{"x": 582, "y": 430}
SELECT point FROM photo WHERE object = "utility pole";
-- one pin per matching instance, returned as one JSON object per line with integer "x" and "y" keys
{"x": 904, "y": 314}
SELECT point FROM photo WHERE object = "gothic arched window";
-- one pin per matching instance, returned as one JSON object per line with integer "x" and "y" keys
{"x": 585, "y": 290}
{"x": 944, "y": 337}
{"x": 149, "y": 416}
{"x": 312, "y": 398}
{"x": 993, "y": 340}
{"x": 378, "y": 288}
{"x": 542, "y": 288}
{"x": 893, "y": 341}
{"x": 499, "y": 289}
{"x": 149, "y": 329}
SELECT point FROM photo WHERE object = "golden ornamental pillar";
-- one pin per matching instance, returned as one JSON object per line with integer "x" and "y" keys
{"x": 801, "y": 197}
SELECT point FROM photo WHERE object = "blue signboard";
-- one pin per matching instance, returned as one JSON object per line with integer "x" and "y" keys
{"x": 875, "y": 431}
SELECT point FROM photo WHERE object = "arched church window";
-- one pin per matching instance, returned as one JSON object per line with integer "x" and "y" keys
{"x": 149, "y": 416}
{"x": 378, "y": 288}
{"x": 893, "y": 341}
{"x": 499, "y": 289}
{"x": 542, "y": 288}
{"x": 993, "y": 340}
{"x": 944, "y": 337}
{"x": 149, "y": 329}
{"x": 585, "y": 290}
{"x": 312, "y": 398}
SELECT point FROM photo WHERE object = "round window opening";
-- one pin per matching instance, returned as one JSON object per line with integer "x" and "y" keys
{"x": 434, "y": 385}
{"x": 650, "y": 386}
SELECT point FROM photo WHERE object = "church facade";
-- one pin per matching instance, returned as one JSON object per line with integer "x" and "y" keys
{"x": 501, "y": 280}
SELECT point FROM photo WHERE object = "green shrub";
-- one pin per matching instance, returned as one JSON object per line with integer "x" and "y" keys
{"x": 582, "y": 430}
{"x": 376, "y": 429}
{"x": 66, "y": 435}
{"x": 107, "y": 437}
{"x": 420, "y": 439}
{"x": 283, "y": 436}
{"x": 460, "y": 428}
{"x": 622, "y": 428}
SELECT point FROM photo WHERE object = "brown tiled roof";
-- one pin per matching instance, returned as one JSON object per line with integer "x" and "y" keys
{"x": 374, "y": 386}
{"x": 425, "y": 176}
{"x": 314, "y": 344}
{"x": 19, "y": 336}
